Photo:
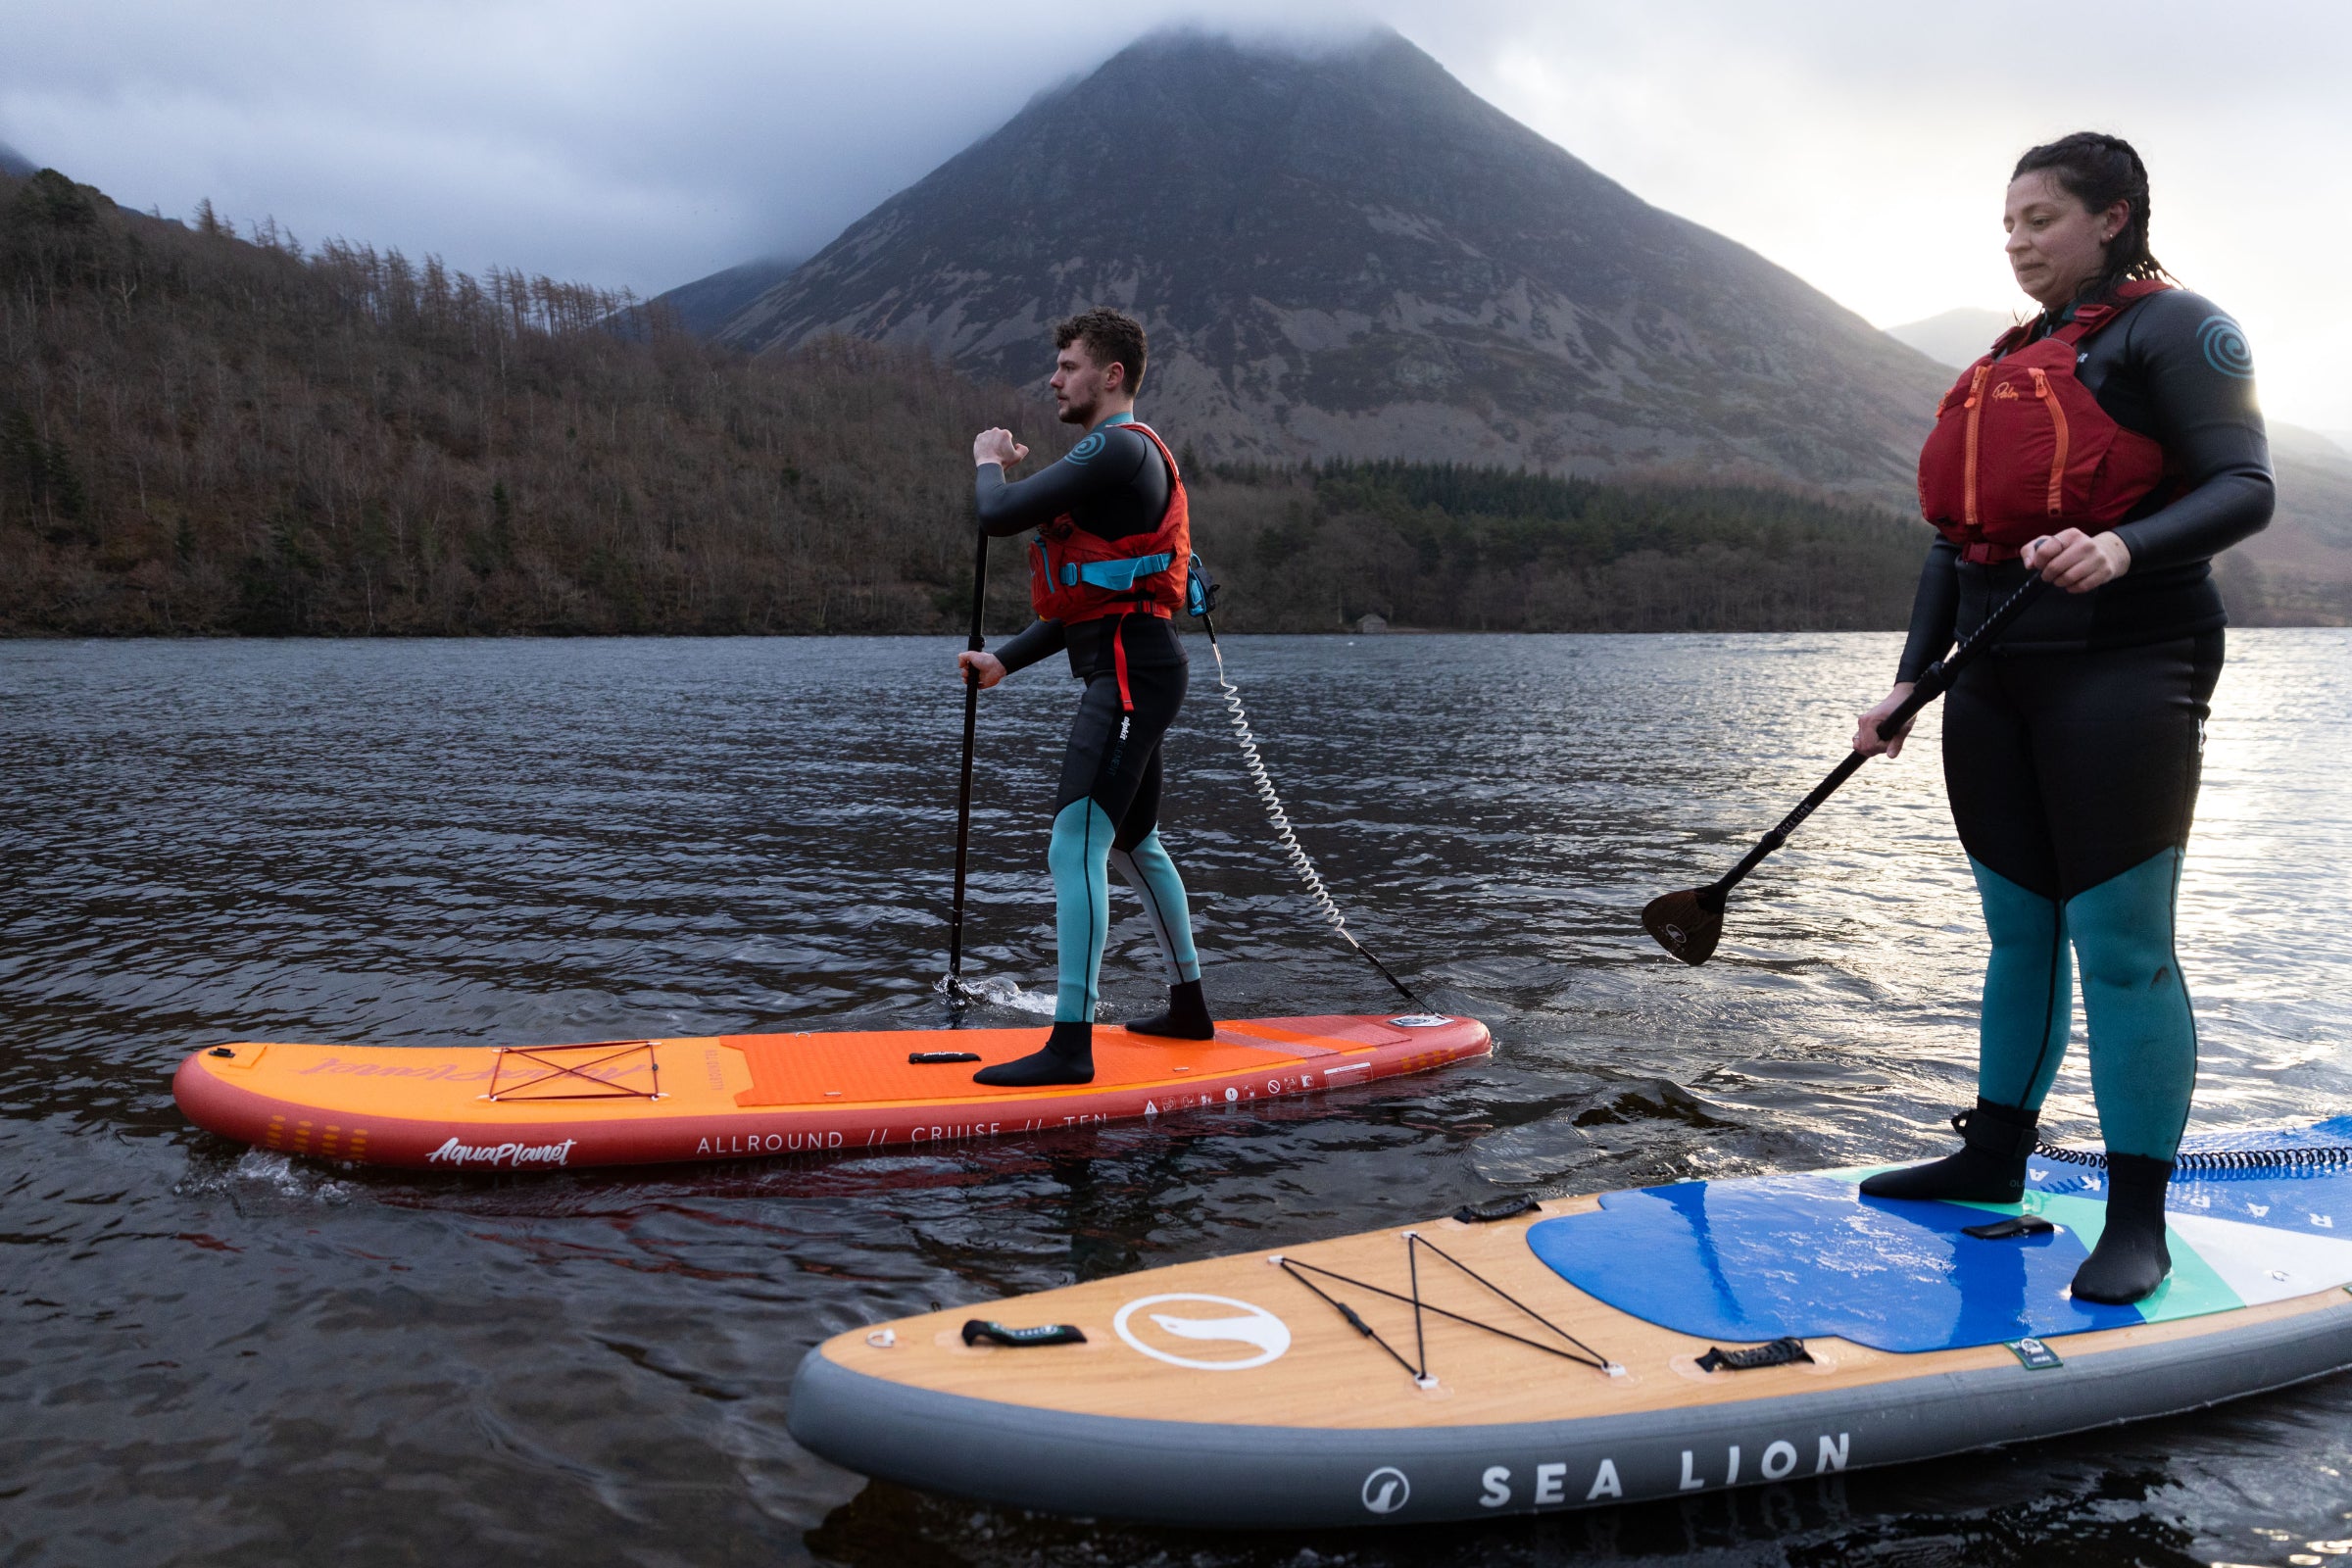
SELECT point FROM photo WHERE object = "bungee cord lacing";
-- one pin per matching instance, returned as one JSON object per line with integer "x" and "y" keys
{"x": 1284, "y": 838}
{"x": 1418, "y": 1368}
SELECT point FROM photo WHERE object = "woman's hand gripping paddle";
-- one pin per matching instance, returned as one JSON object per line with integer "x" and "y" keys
{"x": 953, "y": 984}
{"x": 1688, "y": 923}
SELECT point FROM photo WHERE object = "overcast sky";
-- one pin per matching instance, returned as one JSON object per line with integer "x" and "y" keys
{"x": 1862, "y": 145}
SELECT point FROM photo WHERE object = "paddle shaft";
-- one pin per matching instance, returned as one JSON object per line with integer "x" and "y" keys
{"x": 1933, "y": 682}
{"x": 963, "y": 794}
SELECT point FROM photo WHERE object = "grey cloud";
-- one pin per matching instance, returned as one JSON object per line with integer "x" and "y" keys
{"x": 646, "y": 146}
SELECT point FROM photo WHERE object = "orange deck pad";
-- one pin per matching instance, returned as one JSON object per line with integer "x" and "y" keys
{"x": 617, "y": 1103}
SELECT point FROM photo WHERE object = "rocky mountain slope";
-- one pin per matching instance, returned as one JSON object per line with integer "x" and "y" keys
{"x": 707, "y": 304}
{"x": 1348, "y": 254}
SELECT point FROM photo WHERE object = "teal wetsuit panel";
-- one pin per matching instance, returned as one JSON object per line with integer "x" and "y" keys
{"x": 2143, "y": 1036}
{"x": 1149, "y": 870}
{"x": 2029, "y": 993}
{"x": 1078, "y": 854}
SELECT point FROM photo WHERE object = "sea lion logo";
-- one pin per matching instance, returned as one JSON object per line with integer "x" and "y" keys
{"x": 1260, "y": 1334}
{"x": 1385, "y": 1489}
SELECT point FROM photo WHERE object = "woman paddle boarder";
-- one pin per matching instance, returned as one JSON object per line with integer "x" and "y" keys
{"x": 1107, "y": 574}
{"x": 2113, "y": 445}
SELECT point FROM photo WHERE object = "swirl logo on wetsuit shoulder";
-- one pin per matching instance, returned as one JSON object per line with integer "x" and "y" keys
{"x": 2225, "y": 350}
{"x": 1087, "y": 447}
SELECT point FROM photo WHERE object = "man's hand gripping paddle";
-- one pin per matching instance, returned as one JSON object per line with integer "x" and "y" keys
{"x": 1688, "y": 924}
{"x": 953, "y": 984}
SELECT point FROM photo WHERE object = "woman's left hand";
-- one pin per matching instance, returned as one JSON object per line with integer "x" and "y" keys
{"x": 2079, "y": 562}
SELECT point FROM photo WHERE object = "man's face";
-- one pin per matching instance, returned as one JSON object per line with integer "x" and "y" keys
{"x": 1080, "y": 384}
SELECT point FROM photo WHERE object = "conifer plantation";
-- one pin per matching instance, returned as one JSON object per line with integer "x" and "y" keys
{"x": 203, "y": 433}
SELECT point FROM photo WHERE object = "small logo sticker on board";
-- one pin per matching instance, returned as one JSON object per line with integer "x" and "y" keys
{"x": 1252, "y": 1335}
{"x": 1385, "y": 1489}
{"x": 1421, "y": 1020}
{"x": 2035, "y": 1355}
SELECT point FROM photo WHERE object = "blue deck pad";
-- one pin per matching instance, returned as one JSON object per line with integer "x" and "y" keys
{"x": 1756, "y": 1259}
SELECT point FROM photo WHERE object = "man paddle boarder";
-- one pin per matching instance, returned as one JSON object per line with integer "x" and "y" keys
{"x": 1106, "y": 575}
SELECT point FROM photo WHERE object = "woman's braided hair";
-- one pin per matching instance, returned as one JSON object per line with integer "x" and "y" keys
{"x": 2098, "y": 171}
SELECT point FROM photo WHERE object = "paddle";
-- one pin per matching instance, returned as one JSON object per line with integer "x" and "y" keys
{"x": 963, "y": 796}
{"x": 1688, "y": 923}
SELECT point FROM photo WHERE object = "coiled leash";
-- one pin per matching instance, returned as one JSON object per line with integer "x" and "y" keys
{"x": 1199, "y": 600}
{"x": 2216, "y": 1161}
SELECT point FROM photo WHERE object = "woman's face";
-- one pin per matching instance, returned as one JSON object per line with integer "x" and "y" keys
{"x": 2056, "y": 244}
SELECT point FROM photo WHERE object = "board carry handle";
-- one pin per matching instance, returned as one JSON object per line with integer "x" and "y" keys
{"x": 1787, "y": 1351}
{"x": 1497, "y": 1208}
{"x": 977, "y": 1329}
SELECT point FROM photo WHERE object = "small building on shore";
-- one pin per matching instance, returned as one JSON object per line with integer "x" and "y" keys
{"x": 1373, "y": 622}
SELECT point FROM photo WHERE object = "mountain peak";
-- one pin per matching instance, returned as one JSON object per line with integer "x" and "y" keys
{"x": 1341, "y": 251}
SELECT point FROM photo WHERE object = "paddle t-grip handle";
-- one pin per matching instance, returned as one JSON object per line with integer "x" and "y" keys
{"x": 1932, "y": 682}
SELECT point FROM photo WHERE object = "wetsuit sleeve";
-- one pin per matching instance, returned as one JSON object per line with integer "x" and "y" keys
{"x": 1100, "y": 466}
{"x": 1934, "y": 609}
{"x": 2198, "y": 380}
{"x": 1031, "y": 644}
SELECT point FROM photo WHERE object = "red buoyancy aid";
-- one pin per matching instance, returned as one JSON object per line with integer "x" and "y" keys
{"x": 2021, "y": 449}
{"x": 1075, "y": 575}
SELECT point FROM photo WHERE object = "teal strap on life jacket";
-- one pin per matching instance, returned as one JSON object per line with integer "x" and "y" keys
{"x": 1117, "y": 575}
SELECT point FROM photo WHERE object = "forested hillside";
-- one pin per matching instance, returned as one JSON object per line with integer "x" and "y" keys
{"x": 203, "y": 433}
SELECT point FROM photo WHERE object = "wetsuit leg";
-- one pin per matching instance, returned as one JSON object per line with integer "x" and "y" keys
{"x": 1990, "y": 776}
{"x": 2122, "y": 752}
{"x": 1143, "y": 862}
{"x": 2022, "y": 1028}
{"x": 1114, "y": 745}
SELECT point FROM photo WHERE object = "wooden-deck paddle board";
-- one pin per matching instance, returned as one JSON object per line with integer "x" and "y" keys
{"x": 1235, "y": 1393}
{"x": 640, "y": 1102}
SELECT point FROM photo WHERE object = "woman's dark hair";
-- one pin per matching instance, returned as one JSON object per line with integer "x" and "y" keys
{"x": 2098, "y": 171}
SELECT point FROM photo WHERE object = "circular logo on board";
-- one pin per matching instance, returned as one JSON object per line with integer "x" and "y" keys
{"x": 1207, "y": 1333}
{"x": 1421, "y": 1020}
{"x": 1385, "y": 1489}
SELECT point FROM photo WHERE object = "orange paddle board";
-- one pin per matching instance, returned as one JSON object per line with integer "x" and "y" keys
{"x": 726, "y": 1097}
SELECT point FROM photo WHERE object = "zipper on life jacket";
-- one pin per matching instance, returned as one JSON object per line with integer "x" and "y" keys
{"x": 1976, "y": 412}
{"x": 2049, "y": 401}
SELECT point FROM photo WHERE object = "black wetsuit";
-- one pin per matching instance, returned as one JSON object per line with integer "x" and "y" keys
{"x": 2071, "y": 753}
{"x": 1113, "y": 484}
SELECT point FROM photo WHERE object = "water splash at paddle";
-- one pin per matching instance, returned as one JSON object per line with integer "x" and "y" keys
{"x": 999, "y": 992}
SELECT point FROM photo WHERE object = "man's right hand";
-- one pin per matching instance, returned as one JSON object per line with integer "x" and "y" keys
{"x": 989, "y": 667}
{"x": 996, "y": 446}
{"x": 1866, "y": 728}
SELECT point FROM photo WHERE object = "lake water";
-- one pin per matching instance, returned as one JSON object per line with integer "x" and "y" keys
{"x": 213, "y": 1354}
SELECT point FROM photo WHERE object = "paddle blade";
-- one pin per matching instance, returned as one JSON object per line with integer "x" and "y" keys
{"x": 1683, "y": 925}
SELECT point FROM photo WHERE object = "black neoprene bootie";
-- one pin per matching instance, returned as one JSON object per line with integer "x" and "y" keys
{"x": 1068, "y": 1059}
{"x": 2131, "y": 1260}
{"x": 1187, "y": 1017}
{"x": 1991, "y": 1167}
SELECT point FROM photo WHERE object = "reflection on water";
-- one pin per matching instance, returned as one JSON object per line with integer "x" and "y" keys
{"x": 216, "y": 1354}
